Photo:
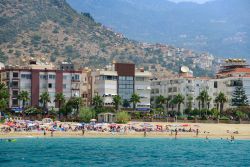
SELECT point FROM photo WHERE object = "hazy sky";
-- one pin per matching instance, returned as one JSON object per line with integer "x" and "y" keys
{"x": 197, "y": 1}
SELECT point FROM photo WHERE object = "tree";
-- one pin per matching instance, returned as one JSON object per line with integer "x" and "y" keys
{"x": 240, "y": 115}
{"x": 167, "y": 101}
{"x": 24, "y": 97}
{"x": 97, "y": 102}
{"x": 135, "y": 98}
{"x": 203, "y": 98}
{"x": 208, "y": 102}
{"x": 4, "y": 97}
{"x": 45, "y": 99}
{"x": 126, "y": 103}
{"x": 221, "y": 100}
{"x": 86, "y": 114}
{"x": 160, "y": 100}
{"x": 172, "y": 104}
{"x": 3, "y": 104}
{"x": 75, "y": 103}
{"x": 117, "y": 100}
{"x": 60, "y": 99}
{"x": 190, "y": 102}
{"x": 179, "y": 99}
{"x": 239, "y": 97}
{"x": 199, "y": 101}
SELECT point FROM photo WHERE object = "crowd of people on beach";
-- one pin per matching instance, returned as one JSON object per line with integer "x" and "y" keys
{"x": 50, "y": 126}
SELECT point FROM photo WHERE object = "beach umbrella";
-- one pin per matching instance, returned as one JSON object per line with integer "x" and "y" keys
{"x": 185, "y": 125}
{"x": 78, "y": 124}
{"x": 29, "y": 125}
{"x": 93, "y": 120}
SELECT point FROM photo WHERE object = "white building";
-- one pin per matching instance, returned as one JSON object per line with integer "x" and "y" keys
{"x": 123, "y": 80}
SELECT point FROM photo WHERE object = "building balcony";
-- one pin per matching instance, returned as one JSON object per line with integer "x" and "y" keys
{"x": 74, "y": 80}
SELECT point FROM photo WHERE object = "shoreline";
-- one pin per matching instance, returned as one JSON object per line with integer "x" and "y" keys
{"x": 101, "y": 135}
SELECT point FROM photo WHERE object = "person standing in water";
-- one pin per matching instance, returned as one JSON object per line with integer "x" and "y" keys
{"x": 44, "y": 132}
{"x": 83, "y": 131}
{"x": 176, "y": 132}
{"x": 52, "y": 131}
{"x": 197, "y": 132}
{"x": 145, "y": 133}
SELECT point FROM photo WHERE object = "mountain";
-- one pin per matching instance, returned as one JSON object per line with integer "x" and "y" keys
{"x": 51, "y": 30}
{"x": 220, "y": 27}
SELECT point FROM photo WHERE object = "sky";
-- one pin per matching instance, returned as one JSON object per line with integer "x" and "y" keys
{"x": 197, "y": 1}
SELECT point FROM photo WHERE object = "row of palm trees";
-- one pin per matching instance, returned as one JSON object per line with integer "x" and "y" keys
{"x": 44, "y": 99}
{"x": 203, "y": 99}
{"x": 177, "y": 100}
{"x": 117, "y": 101}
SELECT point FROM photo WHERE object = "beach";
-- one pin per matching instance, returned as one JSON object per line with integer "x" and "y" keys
{"x": 215, "y": 131}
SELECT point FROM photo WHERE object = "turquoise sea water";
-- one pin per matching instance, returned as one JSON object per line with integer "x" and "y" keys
{"x": 123, "y": 152}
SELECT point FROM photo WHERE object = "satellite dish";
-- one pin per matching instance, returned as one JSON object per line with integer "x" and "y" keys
{"x": 184, "y": 69}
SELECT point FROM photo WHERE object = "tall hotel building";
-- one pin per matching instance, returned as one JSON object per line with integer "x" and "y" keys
{"x": 122, "y": 79}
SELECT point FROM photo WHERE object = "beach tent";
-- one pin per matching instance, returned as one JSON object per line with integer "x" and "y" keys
{"x": 107, "y": 117}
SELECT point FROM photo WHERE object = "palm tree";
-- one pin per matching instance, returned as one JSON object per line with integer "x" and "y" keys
{"x": 190, "y": 101}
{"x": 203, "y": 98}
{"x": 3, "y": 104}
{"x": 167, "y": 101}
{"x": 60, "y": 99}
{"x": 4, "y": 97}
{"x": 24, "y": 97}
{"x": 199, "y": 101}
{"x": 179, "y": 99}
{"x": 117, "y": 100}
{"x": 135, "y": 98}
{"x": 77, "y": 102}
{"x": 160, "y": 100}
{"x": 97, "y": 102}
{"x": 45, "y": 99}
{"x": 221, "y": 99}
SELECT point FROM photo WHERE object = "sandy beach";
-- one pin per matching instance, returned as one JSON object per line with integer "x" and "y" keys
{"x": 216, "y": 131}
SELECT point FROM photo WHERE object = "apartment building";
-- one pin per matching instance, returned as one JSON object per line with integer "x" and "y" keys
{"x": 37, "y": 78}
{"x": 122, "y": 79}
{"x": 186, "y": 86}
{"x": 234, "y": 72}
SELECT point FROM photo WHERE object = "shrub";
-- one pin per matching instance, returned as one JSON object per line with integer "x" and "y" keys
{"x": 224, "y": 118}
{"x": 86, "y": 114}
{"x": 122, "y": 117}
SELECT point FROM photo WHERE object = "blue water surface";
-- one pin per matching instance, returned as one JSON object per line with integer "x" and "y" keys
{"x": 123, "y": 152}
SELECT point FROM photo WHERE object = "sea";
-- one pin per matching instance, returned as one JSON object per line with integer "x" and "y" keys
{"x": 107, "y": 152}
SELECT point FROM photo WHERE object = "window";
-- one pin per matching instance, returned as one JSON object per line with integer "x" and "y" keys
{"x": 52, "y": 76}
{"x": 126, "y": 86}
{"x": 75, "y": 77}
{"x": 50, "y": 85}
{"x": 215, "y": 84}
{"x": 45, "y": 77}
{"x": 26, "y": 76}
{"x": 15, "y": 84}
{"x": 65, "y": 77}
{"x": 64, "y": 86}
{"x": 15, "y": 93}
{"x": 15, "y": 102}
{"x": 15, "y": 75}
{"x": 139, "y": 78}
